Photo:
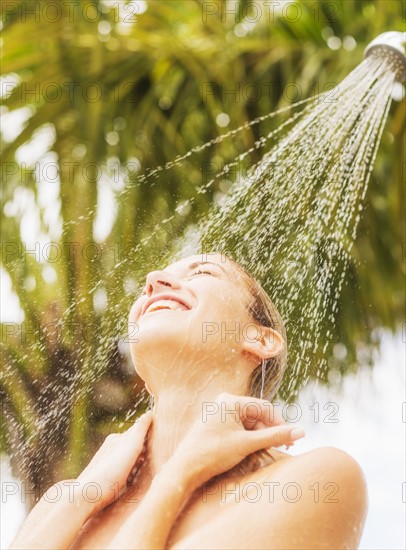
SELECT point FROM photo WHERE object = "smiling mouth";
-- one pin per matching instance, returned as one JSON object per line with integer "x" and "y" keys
{"x": 172, "y": 305}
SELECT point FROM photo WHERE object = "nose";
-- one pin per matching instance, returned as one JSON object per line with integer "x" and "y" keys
{"x": 157, "y": 280}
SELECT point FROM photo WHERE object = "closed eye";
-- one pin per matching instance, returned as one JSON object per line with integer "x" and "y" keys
{"x": 201, "y": 271}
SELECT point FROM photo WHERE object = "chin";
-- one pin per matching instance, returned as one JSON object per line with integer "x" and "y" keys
{"x": 159, "y": 336}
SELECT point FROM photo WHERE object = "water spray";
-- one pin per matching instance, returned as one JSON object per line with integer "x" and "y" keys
{"x": 390, "y": 46}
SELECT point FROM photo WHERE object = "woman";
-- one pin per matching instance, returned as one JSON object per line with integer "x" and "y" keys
{"x": 193, "y": 473}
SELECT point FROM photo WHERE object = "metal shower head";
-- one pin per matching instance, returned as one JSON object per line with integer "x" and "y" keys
{"x": 390, "y": 46}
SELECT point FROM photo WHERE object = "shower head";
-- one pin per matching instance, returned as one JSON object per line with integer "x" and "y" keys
{"x": 390, "y": 46}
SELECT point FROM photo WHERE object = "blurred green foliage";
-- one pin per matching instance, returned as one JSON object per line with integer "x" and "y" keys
{"x": 111, "y": 90}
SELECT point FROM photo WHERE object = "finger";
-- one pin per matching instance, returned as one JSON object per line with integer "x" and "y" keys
{"x": 137, "y": 432}
{"x": 144, "y": 421}
{"x": 252, "y": 410}
{"x": 260, "y": 410}
{"x": 259, "y": 426}
{"x": 274, "y": 437}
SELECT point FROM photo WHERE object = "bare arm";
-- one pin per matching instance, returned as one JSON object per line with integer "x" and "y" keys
{"x": 54, "y": 523}
{"x": 57, "y": 518}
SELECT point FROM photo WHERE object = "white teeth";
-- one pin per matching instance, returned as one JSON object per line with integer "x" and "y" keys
{"x": 165, "y": 304}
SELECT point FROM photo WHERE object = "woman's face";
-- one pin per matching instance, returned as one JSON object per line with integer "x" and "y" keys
{"x": 194, "y": 309}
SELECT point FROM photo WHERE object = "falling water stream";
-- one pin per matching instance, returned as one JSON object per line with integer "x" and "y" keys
{"x": 293, "y": 221}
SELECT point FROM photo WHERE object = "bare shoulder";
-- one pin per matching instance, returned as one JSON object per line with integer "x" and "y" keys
{"x": 322, "y": 493}
{"x": 322, "y": 464}
{"x": 333, "y": 463}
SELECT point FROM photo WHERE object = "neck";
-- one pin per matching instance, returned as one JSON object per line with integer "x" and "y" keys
{"x": 178, "y": 407}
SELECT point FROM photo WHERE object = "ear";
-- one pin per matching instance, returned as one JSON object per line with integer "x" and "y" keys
{"x": 266, "y": 343}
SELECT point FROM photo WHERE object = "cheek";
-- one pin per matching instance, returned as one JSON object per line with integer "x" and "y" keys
{"x": 227, "y": 307}
{"x": 224, "y": 322}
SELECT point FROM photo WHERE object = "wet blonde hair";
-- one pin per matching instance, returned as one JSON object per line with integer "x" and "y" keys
{"x": 264, "y": 312}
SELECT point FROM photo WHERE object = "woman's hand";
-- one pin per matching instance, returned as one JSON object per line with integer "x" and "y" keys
{"x": 231, "y": 428}
{"x": 56, "y": 523}
{"x": 106, "y": 475}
